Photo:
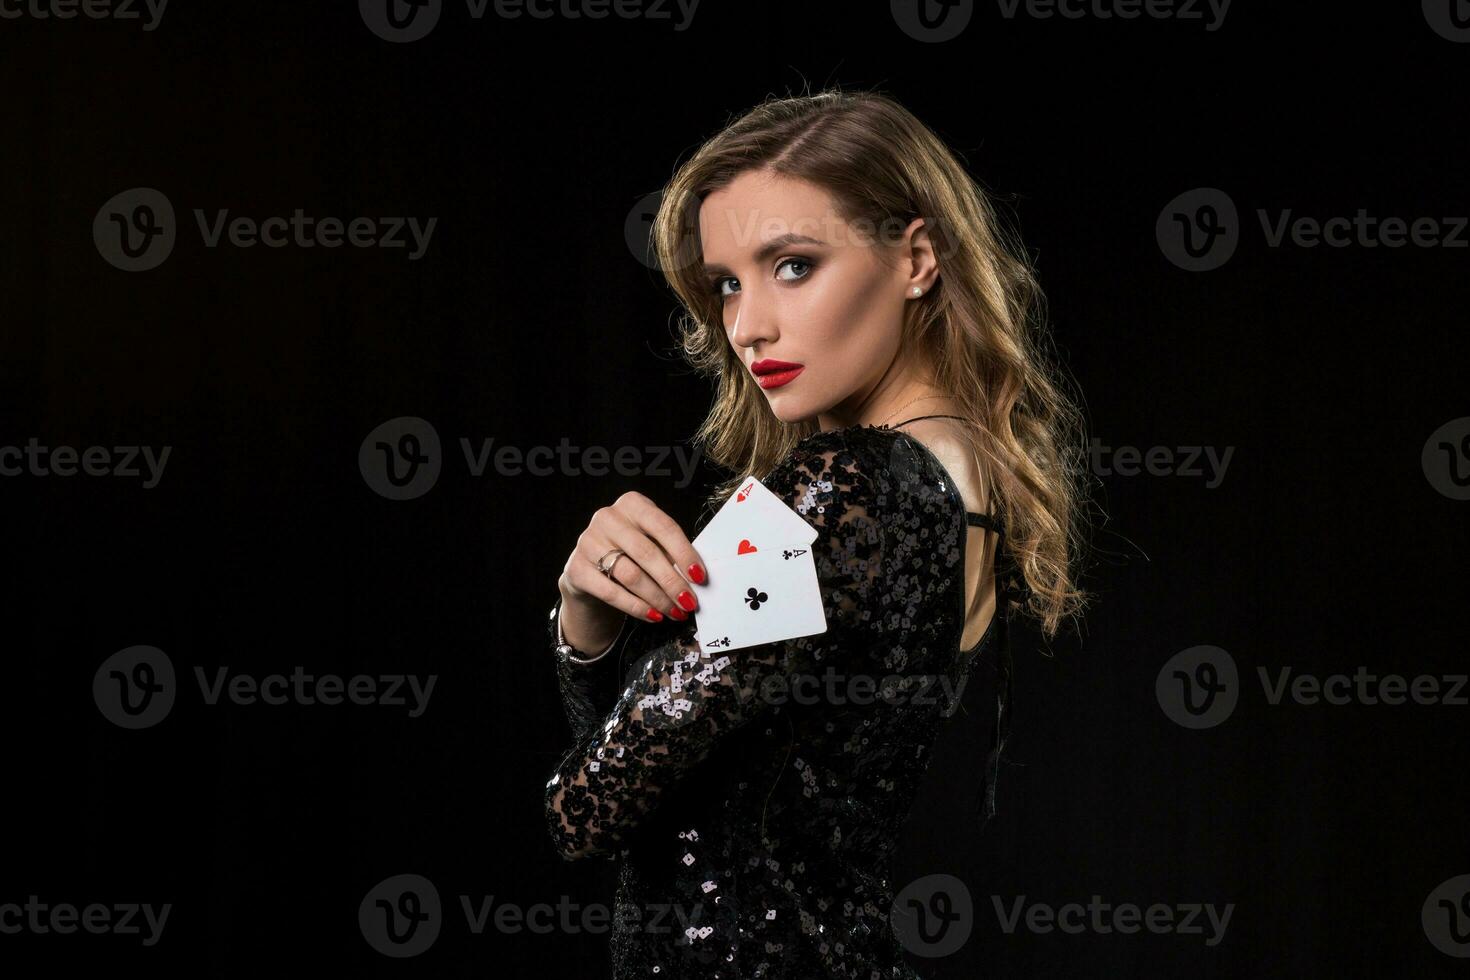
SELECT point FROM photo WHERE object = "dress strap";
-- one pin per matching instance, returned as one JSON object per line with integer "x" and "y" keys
{"x": 992, "y": 521}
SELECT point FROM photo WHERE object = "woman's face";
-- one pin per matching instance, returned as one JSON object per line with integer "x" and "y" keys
{"x": 801, "y": 285}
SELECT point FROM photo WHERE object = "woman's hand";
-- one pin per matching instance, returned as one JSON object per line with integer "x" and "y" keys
{"x": 646, "y": 582}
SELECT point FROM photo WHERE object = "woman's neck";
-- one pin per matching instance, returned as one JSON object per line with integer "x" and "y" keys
{"x": 890, "y": 409}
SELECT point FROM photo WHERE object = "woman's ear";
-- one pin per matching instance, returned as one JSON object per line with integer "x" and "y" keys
{"x": 917, "y": 258}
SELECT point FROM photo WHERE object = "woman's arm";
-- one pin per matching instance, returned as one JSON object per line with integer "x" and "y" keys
{"x": 588, "y": 690}
{"x": 684, "y": 700}
{"x": 590, "y": 686}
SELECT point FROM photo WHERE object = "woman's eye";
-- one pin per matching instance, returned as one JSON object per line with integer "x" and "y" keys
{"x": 800, "y": 269}
{"x": 805, "y": 266}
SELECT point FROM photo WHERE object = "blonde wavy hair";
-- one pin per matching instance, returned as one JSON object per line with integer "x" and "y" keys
{"x": 981, "y": 325}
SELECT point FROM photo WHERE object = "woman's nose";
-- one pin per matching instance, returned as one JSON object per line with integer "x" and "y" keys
{"x": 753, "y": 323}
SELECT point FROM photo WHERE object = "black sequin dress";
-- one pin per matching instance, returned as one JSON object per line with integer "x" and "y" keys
{"x": 755, "y": 828}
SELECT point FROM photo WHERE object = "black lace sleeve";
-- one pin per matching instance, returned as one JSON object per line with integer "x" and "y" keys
{"x": 682, "y": 700}
{"x": 588, "y": 690}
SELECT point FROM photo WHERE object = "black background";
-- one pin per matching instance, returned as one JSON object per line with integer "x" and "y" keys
{"x": 529, "y": 319}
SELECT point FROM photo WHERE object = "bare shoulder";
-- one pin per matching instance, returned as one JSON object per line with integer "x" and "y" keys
{"x": 944, "y": 438}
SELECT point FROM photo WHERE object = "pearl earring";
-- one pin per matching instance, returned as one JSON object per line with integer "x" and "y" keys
{"x": 917, "y": 291}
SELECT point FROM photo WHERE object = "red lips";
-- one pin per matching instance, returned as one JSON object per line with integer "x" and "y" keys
{"x": 771, "y": 373}
{"x": 769, "y": 365}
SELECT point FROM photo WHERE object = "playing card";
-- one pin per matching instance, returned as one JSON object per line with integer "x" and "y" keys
{"x": 751, "y": 507}
{"x": 760, "y": 596}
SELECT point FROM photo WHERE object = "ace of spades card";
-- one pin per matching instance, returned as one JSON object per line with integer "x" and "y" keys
{"x": 762, "y": 585}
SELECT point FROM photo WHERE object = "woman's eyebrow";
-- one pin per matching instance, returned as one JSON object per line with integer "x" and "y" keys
{"x": 767, "y": 249}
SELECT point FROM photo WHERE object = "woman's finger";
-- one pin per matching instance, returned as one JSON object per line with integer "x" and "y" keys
{"x": 667, "y": 547}
{"x": 614, "y": 591}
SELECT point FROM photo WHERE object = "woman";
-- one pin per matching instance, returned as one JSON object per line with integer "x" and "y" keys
{"x": 870, "y": 332}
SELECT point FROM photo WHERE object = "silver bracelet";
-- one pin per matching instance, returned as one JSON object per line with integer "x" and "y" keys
{"x": 562, "y": 646}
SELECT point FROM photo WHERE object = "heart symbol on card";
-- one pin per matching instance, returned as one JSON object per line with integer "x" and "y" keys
{"x": 746, "y": 547}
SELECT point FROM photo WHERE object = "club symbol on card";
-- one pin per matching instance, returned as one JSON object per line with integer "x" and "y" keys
{"x": 746, "y": 548}
{"x": 723, "y": 641}
{"x": 754, "y": 597}
{"x": 791, "y": 553}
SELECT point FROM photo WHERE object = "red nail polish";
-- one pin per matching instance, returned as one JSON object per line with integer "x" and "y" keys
{"x": 654, "y": 616}
{"x": 676, "y": 613}
{"x": 686, "y": 600}
{"x": 696, "y": 573}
